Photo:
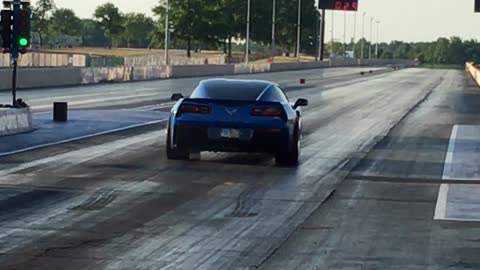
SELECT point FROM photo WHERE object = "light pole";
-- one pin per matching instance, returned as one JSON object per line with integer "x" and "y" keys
{"x": 248, "y": 33}
{"x": 376, "y": 46}
{"x": 298, "y": 28}
{"x": 166, "y": 5}
{"x": 371, "y": 40}
{"x": 363, "y": 36}
{"x": 354, "y": 33}
{"x": 273, "y": 24}
{"x": 332, "y": 43}
{"x": 344, "y": 33}
{"x": 322, "y": 36}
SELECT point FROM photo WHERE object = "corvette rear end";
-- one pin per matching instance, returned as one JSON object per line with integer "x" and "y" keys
{"x": 245, "y": 122}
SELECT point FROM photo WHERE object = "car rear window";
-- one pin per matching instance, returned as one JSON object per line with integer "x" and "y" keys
{"x": 230, "y": 91}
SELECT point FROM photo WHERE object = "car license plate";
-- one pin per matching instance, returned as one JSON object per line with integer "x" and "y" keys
{"x": 230, "y": 133}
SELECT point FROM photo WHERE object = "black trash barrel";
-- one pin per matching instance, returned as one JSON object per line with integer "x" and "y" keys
{"x": 60, "y": 111}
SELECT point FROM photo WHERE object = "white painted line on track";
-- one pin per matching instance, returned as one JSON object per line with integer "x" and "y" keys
{"x": 152, "y": 107}
{"x": 441, "y": 208}
{"x": 451, "y": 147}
{"x": 82, "y": 155}
{"x": 81, "y": 138}
{"x": 100, "y": 101}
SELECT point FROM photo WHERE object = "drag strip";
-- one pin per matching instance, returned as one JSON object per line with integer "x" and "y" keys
{"x": 141, "y": 94}
{"x": 122, "y": 205}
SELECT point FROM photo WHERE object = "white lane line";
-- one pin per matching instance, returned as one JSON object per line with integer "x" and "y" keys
{"x": 80, "y": 138}
{"x": 451, "y": 145}
{"x": 93, "y": 94}
{"x": 441, "y": 208}
{"x": 83, "y": 155}
{"x": 127, "y": 99}
{"x": 152, "y": 107}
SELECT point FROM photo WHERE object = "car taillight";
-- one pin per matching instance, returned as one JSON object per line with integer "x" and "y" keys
{"x": 194, "y": 109}
{"x": 269, "y": 112}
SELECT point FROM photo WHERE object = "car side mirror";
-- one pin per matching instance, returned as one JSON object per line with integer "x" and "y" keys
{"x": 301, "y": 102}
{"x": 177, "y": 97}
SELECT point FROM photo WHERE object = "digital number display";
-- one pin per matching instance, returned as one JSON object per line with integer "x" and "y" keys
{"x": 343, "y": 5}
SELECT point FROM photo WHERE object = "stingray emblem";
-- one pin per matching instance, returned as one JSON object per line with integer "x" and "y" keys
{"x": 232, "y": 111}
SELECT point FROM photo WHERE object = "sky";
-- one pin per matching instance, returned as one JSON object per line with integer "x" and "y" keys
{"x": 406, "y": 20}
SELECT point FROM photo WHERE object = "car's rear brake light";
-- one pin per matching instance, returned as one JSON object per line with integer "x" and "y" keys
{"x": 269, "y": 112}
{"x": 186, "y": 108}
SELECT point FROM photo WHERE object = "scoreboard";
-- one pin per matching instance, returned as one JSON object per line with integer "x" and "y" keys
{"x": 344, "y": 5}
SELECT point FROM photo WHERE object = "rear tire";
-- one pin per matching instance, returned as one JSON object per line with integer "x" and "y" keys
{"x": 291, "y": 155}
{"x": 175, "y": 153}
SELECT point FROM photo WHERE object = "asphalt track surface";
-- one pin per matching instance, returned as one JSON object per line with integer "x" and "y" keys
{"x": 363, "y": 196}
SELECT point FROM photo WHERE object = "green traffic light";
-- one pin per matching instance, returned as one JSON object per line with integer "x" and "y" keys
{"x": 23, "y": 42}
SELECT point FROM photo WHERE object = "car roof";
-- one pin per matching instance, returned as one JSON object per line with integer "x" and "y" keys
{"x": 228, "y": 89}
{"x": 237, "y": 82}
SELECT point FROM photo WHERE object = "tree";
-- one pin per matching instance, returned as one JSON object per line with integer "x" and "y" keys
{"x": 137, "y": 29}
{"x": 442, "y": 47}
{"x": 40, "y": 16}
{"x": 226, "y": 20}
{"x": 92, "y": 34}
{"x": 110, "y": 20}
{"x": 187, "y": 20}
{"x": 64, "y": 22}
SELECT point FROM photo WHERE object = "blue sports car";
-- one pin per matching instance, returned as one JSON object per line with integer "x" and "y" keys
{"x": 248, "y": 116}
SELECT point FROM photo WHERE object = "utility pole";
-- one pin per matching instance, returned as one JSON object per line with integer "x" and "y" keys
{"x": 344, "y": 33}
{"x": 317, "y": 36}
{"x": 363, "y": 36}
{"x": 322, "y": 36}
{"x": 371, "y": 39}
{"x": 298, "y": 28}
{"x": 354, "y": 33}
{"x": 273, "y": 25}
{"x": 332, "y": 43}
{"x": 247, "y": 44}
{"x": 376, "y": 46}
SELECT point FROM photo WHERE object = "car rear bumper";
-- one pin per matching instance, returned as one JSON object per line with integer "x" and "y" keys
{"x": 260, "y": 140}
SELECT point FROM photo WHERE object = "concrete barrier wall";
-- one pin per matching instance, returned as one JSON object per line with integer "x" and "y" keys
{"x": 151, "y": 73}
{"x": 474, "y": 72}
{"x": 251, "y": 68}
{"x": 52, "y": 77}
{"x": 384, "y": 62}
{"x": 13, "y": 121}
{"x": 200, "y": 71}
{"x": 107, "y": 74}
{"x": 344, "y": 62}
{"x": 175, "y": 58}
{"x": 298, "y": 66}
{"x": 41, "y": 77}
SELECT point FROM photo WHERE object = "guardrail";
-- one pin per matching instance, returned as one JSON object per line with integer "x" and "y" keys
{"x": 474, "y": 72}
{"x": 54, "y": 77}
